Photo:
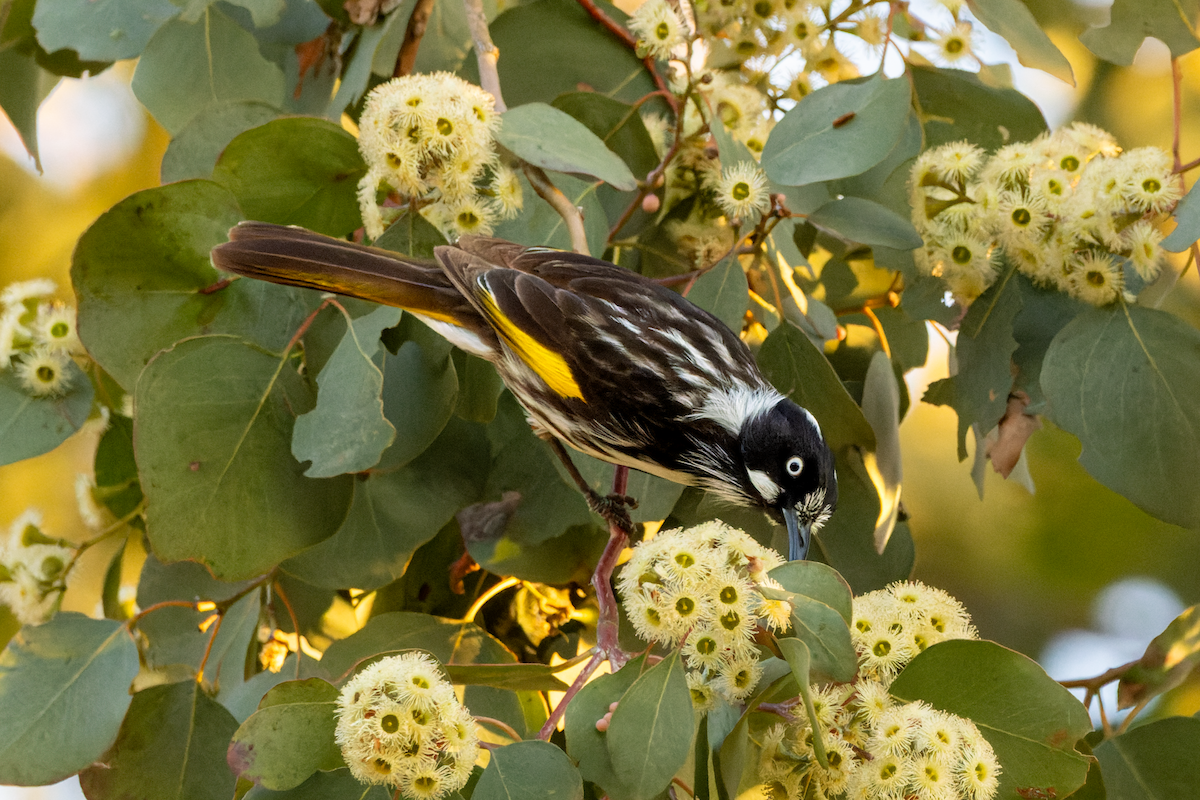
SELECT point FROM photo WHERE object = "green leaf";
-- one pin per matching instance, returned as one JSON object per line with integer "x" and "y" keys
{"x": 1013, "y": 20}
{"x": 141, "y": 269}
{"x": 984, "y": 352}
{"x": 337, "y": 784}
{"x": 587, "y": 746}
{"x": 193, "y": 152}
{"x": 799, "y": 660}
{"x": 290, "y": 736}
{"x": 1187, "y": 223}
{"x": 100, "y": 30}
{"x": 540, "y": 68}
{"x": 296, "y": 171}
{"x": 64, "y": 688}
{"x": 553, "y": 139}
{"x": 723, "y": 292}
{"x": 1124, "y": 380}
{"x": 1168, "y": 661}
{"x": 117, "y": 486}
{"x": 1034, "y": 737}
{"x": 818, "y": 582}
{"x": 346, "y": 430}
{"x": 394, "y": 513}
{"x": 957, "y": 105}
{"x": 617, "y": 124}
{"x": 827, "y": 636}
{"x": 420, "y": 388}
{"x": 412, "y": 235}
{"x": 1155, "y": 761}
{"x": 30, "y": 426}
{"x": 479, "y": 387}
{"x": 837, "y": 131}
{"x": 865, "y": 222}
{"x": 225, "y": 467}
{"x": 515, "y": 677}
{"x": 650, "y": 736}
{"x": 171, "y": 747}
{"x": 1172, "y": 22}
{"x": 1044, "y": 312}
{"x": 448, "y": 641}
{"x": 529, "y": 769}
{"x": 110, "y": 598}
{"x": 187, "y": 66}
{"x": 21, "y": 92}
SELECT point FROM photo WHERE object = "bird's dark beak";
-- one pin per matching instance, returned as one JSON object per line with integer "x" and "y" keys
{"x": 799, "y": 535}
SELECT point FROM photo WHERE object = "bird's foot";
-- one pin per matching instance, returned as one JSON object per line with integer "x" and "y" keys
{"x": 614, "y": 509}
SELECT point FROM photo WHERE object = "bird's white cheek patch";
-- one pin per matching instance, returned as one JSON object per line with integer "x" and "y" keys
{"x": 768, "y": 488}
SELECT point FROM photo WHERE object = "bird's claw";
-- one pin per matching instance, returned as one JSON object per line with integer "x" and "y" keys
{"x": 614, "y": 509}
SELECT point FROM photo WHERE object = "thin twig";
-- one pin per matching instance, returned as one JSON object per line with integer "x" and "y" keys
{"x": 552, "y": 722}
{"x": 406, "y": 61}
{"x": 295, "y": 623}
{"x": 483, "y": 599}
{"x": 486, "y": 52}
{"x": 104, "y": 534}
{"x": 136, "y": 618}
{"x": 212, "y": 637}
{"x": 504, "y": 726}
{"x": 569, "y": 212}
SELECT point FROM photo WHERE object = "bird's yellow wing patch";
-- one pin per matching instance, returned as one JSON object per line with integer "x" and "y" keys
{"x": 549, "y": 365}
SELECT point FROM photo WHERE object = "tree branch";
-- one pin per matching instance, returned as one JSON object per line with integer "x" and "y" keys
{"x": 486, "y": 52}
{"x": 407, "y": 60}
{"x": 570, "y": 213}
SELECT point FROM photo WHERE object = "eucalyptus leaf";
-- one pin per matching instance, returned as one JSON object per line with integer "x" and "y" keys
{"x": 837, "y": 131}
{"x": 1153, "y": 761}
{"x": 1168, "y": 661}
{"x": 346, "y": 430}
{"x": 295, "y": 171}
{"x": 554, "y": 140}
{"x": 290, "y": 736}
{"x": 1187, "y": 223}
{"x": 100, "y": 30}
{"x": 587, "y": 746}
{"x": 529, "y": 769}
{"x": 394, "y": 513}
{"x": 144, "y": 280}
{"x": 171, "y": 747}
{"x": 540, "y": 68}
{"x": 194, "y": 151}
{"x": 1013, "y": 20}
{"x": 827, "y": 636}
{"x": 1034, "y": 738}
{"x": 818, "y": 582}
{"x": 1125, "y": 380}
{"x": 187, "y": 65}
{"x": 723, "y": 292}
{"x": 1131, "y": 21}
{"x": 956, "y": 105}
{"x": 337, "y": 784}
{"x": 226, "y": 467}
{"x": 858, "y": 220}
{"x": 32, "y": 425}
{"x": 64, "y": 688}
{"x": 650, "y": 735}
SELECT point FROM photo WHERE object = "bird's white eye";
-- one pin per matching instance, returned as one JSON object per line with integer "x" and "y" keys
{"x": 794, "y": 466}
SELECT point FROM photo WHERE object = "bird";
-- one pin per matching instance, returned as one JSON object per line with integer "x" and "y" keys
{"x": 605, "y": 360}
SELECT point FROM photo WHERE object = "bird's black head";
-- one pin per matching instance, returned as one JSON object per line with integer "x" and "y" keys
{"x": 790, "y": 467}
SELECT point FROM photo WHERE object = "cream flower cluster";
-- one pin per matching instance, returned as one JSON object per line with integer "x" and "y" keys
{"x": 428, "y": 138}
{"x": 876, "y": 747}
{"x": 32, "y": 570}
{"x": 400, "y": 723}
{"x": 698, "y": 588}
{"x": 37, "y": 337}
{"x": 1069, "y": 210}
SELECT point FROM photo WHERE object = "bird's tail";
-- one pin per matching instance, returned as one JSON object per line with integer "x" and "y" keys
{"x": 297, "y": 257}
